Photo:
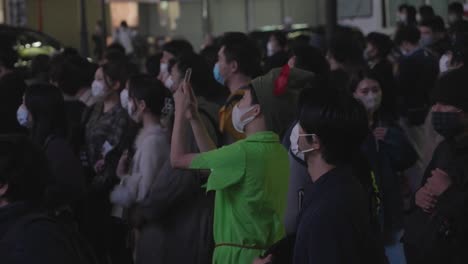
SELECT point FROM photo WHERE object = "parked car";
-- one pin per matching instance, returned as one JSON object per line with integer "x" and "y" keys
{"x": 28, "y": 43}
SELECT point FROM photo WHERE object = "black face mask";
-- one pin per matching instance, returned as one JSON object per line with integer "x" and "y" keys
{"x": 447, "y": 124}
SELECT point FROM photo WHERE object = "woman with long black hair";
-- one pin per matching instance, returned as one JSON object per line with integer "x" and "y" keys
{"x": 42, "y": 112}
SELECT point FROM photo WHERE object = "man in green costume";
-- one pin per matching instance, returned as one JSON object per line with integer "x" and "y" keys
{"x": 250, "y": 177}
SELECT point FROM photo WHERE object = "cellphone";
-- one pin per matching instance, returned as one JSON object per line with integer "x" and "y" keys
{"x": 188, "y": 75}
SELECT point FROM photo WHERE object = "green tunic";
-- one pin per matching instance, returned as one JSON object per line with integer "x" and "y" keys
{"x": 250, "y": 178}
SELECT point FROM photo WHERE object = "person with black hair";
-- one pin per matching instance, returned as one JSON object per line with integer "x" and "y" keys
{"x": 277, "y": 55}
{"x": 43, "y": 113}
{"x": 310, "y": 59}
{"x": 149, "y": 104}
{"x": 334, "y": 224}
{"x": 39, "y": 72}
{"x": 437, "y": 230}
{"x": 71, "y": 74}
{"x": 27, "y": 234}
{"x": 455, "y": 16}
{"x": 250, "y": 177}
{"x": 425, "y": 12}
{"x": 417, "y": 73}
{"x": 406, "y": 15}
{"x": 12, "y": 87}
{"x": 388, "y": 152}
{"x": 433, "y": 36}
{"x": 109, "y": 131}
{"x": 379, "y": 47}
{"x": 171, "y": 50}
{"x": 345, "y": 58}
{"x": 238, "y": 63}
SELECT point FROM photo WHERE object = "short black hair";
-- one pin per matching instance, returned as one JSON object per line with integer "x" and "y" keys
{"x": 456, "y": 8}
{"x": 329, "y": 116}
{"x": 40, "y": 65}
{"x": 116, "y": 71}
{"x": 436, "y": 24}
{"x": 281, "y": 37}
{"x": 123, "y": 23}
{"x": 407, "y": 33}
{"x": 382, "y": 42}
{"x": 451, "y": 89}
{"x": 24, "y": 167}
{"x": 426, "y": 12}
{"x": 242, "y": 49}
{"x": 311, "y": 59}
{"x": 346, "y": 50}
{"x": 178, "y": 47}
{"x": 72, "y": 73}
{"x": 153, "y": 63}
{"x": 150, "y": 90}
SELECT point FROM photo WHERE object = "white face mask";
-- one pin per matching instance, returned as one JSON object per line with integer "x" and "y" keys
{"x": 169, "y": 83}
{"x": 371, "y": 101}
{"x": 98, "y": 89}
{"x": 295, "y": 135}
{"x": 164, "y": 68}
{"x": 270, "y": 51}
{"x": 237, "y": 121}
{"x": 133, "y": 113}
{"x": 124, "y": 98}
{"x": 444, "y": 63}
{"x": 22, "y": 115}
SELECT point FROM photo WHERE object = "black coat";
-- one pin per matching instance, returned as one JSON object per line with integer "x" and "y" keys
{"x": 334, "y": 225}
{"x": 416, "y": 78}
{"x": 442, "y": 237}
{"x": 25, "y": 242}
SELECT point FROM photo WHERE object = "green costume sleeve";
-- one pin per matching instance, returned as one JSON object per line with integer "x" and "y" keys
{"x": 227, "y": 166}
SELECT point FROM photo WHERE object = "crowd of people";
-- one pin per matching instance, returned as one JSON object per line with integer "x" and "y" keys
{"x": 284, "y": 152}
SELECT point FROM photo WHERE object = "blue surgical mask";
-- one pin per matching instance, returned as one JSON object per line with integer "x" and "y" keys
{"x": 217, "y": 74}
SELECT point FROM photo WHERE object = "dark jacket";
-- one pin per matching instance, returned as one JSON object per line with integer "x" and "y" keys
{"x": 417, "y": 74}
{"x": 39, "y": 242}
{"x": 416, "y": 79}
{"x": 75, "y": 110}
{"x": 67, "y": 184}
{"x": 387, "y": 159}
{"x": 334, "y": 224}
{"x": 442, "y": 237}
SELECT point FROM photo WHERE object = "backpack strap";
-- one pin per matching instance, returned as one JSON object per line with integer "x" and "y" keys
{"x": 219, "y": 136}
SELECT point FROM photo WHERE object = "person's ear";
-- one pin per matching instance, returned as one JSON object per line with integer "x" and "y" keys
{"x": 141, "y": 105}
{"x": 234, "y": 66}
{"x": 315, "y": 142}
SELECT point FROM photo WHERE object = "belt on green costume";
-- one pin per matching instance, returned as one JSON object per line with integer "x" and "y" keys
{"x": 239, "y": 246}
